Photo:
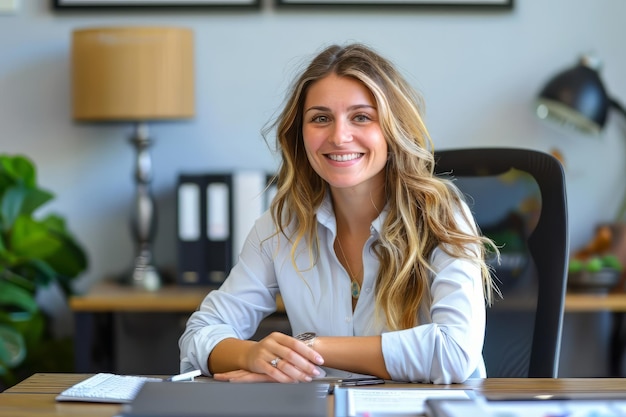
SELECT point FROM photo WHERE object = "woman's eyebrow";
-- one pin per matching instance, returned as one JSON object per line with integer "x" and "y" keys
{"x": 351, "y": 108}
{"x": 318, "y": 108}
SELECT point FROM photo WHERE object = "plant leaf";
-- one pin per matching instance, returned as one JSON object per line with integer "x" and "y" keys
{"x": 30, "y": 326}
{"x": 55, "y": 222}
{"x": 12, "y": 277}
{"x": 19, "y": 200}
{"x": 35, "y": 198}
{"x": 12, "y": 347}
{"x": 69, "y": 259}
{"x": 15, "y": 296}
{"x": 11, "y": 205}
{"x": 32, "y": 240}
{"x": 39, "y": 271}
{"x": 20, "y": 169}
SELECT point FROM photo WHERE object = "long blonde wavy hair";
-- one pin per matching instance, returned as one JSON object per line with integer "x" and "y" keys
{"x": 422, "y": 206}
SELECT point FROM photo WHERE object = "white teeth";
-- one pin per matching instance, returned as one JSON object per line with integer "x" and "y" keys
{"x": 345, "y": 157}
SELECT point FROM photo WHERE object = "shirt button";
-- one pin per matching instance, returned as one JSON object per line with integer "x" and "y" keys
{"x": 368, "y": 289}
{"x": 348, "y": 319}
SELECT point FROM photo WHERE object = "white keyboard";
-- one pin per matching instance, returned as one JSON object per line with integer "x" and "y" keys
{"x": 106, "y": 388}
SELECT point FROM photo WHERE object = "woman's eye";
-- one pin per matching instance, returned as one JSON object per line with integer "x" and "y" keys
{"x": 362, "y": 118}
{"x": 320, "y": 119}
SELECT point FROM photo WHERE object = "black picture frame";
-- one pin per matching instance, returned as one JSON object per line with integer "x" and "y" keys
{"x": 469, "y": 4}
{"x": 153, "y": 4}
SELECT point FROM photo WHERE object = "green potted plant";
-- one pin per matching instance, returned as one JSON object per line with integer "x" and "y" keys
{"x": 35, "y": 251}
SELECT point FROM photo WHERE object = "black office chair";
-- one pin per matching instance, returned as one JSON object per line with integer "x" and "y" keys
{"x": 518, "y": 198}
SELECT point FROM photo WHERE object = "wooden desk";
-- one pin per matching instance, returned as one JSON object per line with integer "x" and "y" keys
{"x": 589, "y": 302}
{"x": 99, "y": 308}
{"x": 35, "y": 396}
{"x": 109, "y": 296}
{"x": 614, "y": 303}
{"x": 95, "y": 316}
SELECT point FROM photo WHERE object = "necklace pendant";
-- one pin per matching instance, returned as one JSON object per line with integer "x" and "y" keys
{"x": 355, "y": 289}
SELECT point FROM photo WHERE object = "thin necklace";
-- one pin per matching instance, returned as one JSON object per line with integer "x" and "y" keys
{"x": 355, "y": 288}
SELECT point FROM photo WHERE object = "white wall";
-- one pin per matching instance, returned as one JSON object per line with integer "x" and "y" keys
{"x": 479, "y": 72}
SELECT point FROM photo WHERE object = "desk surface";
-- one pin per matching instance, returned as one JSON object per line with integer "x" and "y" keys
{"x": 589, "y": 302}
{"x": 111, "y": 297}
{"x": 35, "y": 396}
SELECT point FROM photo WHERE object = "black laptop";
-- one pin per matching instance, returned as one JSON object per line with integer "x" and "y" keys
{"x": 223, "y": 399}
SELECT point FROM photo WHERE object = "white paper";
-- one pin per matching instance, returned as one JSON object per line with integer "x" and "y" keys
{"x": 569, "y": 408}
{"x": 395, "y": 401}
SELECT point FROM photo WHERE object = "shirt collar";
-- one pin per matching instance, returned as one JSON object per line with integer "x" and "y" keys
{"x": 326, "y": 217}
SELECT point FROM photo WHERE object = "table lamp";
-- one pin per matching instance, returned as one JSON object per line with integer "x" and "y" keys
{"x": 135, "y": 75}
{"x": 577, "y": 99}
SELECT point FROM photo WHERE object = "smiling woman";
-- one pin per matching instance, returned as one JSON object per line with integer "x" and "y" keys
{"x": 374, "y": 255}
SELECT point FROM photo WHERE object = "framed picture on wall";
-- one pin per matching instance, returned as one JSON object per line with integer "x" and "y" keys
{"x": 169, "y": 4}
{"x": 504, "y": 4}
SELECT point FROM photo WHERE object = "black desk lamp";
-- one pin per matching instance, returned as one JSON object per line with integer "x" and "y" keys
{"x": 577, "y": 99}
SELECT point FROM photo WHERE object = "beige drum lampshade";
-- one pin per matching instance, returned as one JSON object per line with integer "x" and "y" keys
{"x": 132, "y": 73}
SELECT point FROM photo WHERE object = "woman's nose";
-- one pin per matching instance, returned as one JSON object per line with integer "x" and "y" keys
{"x": 340, "y": 134}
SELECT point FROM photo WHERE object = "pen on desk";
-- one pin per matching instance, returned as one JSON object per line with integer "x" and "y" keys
{"x": 187, "y": 376}
{"x": 359, "y": 382}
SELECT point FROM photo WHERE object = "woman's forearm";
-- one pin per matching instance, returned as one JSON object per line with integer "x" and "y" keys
{"x": 228, "y": 355}
{"x": 363, "y": 355}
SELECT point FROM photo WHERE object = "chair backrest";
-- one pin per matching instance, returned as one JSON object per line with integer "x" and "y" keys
{"x": 519, "y": 199}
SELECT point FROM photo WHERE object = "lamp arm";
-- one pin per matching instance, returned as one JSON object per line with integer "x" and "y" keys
{"x": 617, "y": 106}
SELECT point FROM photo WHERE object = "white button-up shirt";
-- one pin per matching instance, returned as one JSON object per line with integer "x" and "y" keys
{"x": 445, "y": 348}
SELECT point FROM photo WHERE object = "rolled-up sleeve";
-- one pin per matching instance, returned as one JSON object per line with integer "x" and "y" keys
{"x": 449, "y": 348}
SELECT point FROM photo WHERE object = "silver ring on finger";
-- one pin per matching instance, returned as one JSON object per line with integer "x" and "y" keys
{"x": 274, "y": 362}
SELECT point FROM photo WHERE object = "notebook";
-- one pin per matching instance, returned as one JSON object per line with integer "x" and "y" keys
{"x": 224, "y": 399}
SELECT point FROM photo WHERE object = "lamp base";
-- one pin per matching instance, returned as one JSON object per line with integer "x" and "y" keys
{"x": 145, "y": 276}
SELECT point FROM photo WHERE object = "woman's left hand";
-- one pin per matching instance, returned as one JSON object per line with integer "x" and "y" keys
{"x": 241, "y": 375}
